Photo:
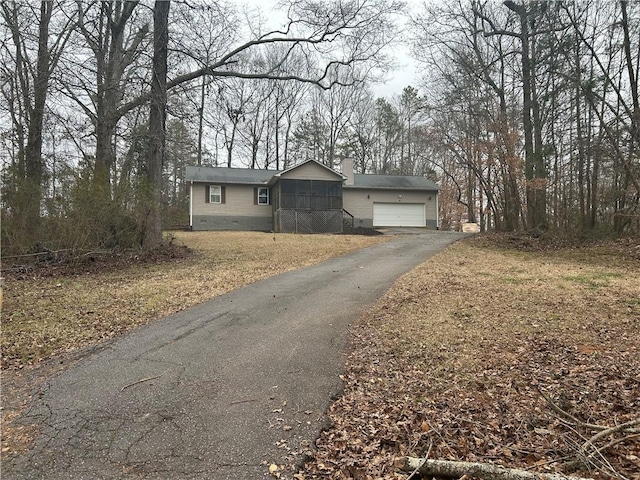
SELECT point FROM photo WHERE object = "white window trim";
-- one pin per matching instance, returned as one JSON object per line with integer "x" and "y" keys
{"x": 212, "y": 189}
{"x": 264, "y": 196}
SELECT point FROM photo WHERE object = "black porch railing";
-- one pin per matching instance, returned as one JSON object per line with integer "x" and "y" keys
{"x": 347, "y": 218}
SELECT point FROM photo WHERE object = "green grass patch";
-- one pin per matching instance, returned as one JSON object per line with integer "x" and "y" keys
{"x": 594, "y": 279}
{"x": 515, "y": 280}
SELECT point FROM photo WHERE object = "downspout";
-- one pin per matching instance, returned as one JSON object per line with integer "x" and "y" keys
{"x": 437, "y": 212}
{"x": 190, "y": 205}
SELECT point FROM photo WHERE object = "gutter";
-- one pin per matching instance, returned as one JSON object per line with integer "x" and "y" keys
{"x": 411, "y": 189}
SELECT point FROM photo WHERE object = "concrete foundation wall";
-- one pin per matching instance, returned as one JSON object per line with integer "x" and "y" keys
{"x": 218, "y": 222}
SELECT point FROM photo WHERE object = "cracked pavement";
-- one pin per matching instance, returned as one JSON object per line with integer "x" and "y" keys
{"x": 221, "y": 390}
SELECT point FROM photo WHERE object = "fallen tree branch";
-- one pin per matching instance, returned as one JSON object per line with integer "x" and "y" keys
{"x": 417, "y": 469}
{"x": 142, "y": 380}
{"x": 584, "y": 456}
{"x": 605, "y": 430}
{"x": 623, "y": 427}
{"x": 565, "y": 414}
{"x": 595, "y": 460}
{"x": 613, "y": 443}
{"x": 485, "y": 471}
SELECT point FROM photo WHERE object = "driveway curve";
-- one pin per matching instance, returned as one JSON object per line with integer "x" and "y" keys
{"x": 221, "y": 390}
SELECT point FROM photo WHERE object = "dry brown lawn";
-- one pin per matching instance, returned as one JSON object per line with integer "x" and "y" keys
{"x": 462, "y": 357}
{"x": 44, "y": 316}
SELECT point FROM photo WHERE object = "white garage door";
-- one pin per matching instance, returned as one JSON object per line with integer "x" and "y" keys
{"x": 398, "y": 215}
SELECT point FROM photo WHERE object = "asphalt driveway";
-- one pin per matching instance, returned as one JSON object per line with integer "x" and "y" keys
{"x": 219, "y": 391}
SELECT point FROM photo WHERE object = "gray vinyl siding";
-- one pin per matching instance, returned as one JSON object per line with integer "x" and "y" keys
{"x": 237, "y": 213}
{"x": 239, "y": 202}
{"x": 355, "y": 202}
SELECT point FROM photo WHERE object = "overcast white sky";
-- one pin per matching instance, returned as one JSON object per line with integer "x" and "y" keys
{"x": 405, "y": 74}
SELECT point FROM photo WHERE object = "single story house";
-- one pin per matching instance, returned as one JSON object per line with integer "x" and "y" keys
{"x": 307, "y": 198}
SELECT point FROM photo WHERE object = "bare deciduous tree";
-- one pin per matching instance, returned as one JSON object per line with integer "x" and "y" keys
{"x": 32, "y": 55}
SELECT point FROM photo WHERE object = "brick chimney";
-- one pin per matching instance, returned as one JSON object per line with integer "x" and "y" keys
{"x": 347, "y": 170}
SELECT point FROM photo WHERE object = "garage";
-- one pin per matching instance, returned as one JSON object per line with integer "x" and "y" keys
{"x": 398, "y": 215}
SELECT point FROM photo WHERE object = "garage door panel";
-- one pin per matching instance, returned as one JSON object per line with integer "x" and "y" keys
{"x": 398, "y": 215}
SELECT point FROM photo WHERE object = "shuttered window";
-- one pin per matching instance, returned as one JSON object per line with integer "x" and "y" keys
{"x": 261, "y": 196}
{"x": 215, "y": 194}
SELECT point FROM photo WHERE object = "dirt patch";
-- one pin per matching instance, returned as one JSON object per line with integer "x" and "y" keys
{"x": 465, "y": 355}
{"x": 361, "y": 231}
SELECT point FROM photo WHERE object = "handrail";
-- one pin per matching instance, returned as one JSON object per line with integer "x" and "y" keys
{"x": 347, "y": 218}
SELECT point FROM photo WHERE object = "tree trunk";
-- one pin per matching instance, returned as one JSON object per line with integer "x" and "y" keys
{"x": 488, "y": 471}
{"x": 201, "y": 118}
{"x": 633, "y": 76}
{"x": 582, "y": 197}
{"x": 30, "y": 166}
{"x": 151, "y": 234}
{"x": 33, "y": 152}
{"x": 111, "y": 57}
{"x": 539, "y": 165}
{"x": 526, "y": 119}
{"x": 535, "y": 170}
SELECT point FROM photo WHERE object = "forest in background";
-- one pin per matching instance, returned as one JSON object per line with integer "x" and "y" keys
{"x": 528, "y": 115}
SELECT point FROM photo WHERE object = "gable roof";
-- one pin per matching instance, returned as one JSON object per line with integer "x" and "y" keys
{"x": 392, "y": 182}
{"x": 284, "y": 172}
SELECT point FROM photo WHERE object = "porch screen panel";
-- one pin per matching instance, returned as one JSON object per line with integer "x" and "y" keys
{"x": 287, "y": 193}
{"x": 303, "y": 194}
{"x": 310, "y": 194}
{"x": 334, "y": 195}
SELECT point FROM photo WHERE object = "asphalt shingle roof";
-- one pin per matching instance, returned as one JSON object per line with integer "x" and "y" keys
{"x": 249, "y": 176}
{"x": 246, "y": 176}
{"x": 404, "y": 182}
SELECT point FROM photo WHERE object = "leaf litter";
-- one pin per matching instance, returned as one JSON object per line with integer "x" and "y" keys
{"x": 478, "y": 354}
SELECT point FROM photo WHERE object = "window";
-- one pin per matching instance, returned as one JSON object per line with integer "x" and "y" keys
{"x": 263, "y": 196}
{"x": 215, "y": 194}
